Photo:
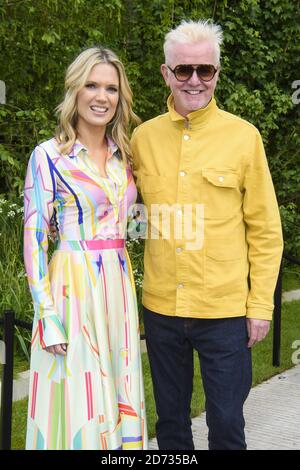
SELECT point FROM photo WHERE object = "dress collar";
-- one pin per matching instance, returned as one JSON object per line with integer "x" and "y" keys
{"x": 78, "y": 147}
{"x": 196, "y": 119}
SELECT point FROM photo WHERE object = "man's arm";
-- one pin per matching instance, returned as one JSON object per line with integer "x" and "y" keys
{"x": 264, "y": 238}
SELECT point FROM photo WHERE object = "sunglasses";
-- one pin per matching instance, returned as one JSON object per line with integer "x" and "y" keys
{"x": 183, "y": 72}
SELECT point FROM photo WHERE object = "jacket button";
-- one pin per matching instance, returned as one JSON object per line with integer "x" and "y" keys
{"x": 178, "y": 250}
{"x": 180, "y": 286}
{"x": 186, "y": 137}
{"x": 221, "y": 179}
{"x": 182, "y": 173}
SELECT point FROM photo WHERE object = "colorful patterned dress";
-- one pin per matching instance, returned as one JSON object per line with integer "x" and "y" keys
{"x": 93, "y": 397}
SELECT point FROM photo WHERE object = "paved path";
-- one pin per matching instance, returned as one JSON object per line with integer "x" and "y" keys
{"x": 291, "y": 295}
{"x": 272, "y": 414}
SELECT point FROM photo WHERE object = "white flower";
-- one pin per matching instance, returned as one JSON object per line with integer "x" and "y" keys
{"x": 21, "y": 274}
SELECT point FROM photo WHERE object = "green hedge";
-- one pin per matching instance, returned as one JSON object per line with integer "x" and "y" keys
{"x": 260, "y": 61}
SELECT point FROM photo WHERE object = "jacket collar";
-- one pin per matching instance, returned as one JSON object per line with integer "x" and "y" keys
{"x": 196, "y": 119}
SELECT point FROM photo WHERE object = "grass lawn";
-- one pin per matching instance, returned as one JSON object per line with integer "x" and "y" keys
{"x": 291, "y": 278}
{"x": 262, "y": 370}
{"x": 20, "y": 365}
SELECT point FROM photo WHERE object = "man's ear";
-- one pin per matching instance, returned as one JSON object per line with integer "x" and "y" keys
{"x": 165, "y": 73}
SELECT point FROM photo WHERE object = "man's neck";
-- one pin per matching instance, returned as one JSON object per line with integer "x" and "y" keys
{"x": 186, "y": 114}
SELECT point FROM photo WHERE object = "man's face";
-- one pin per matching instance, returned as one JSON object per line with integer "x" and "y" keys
{"x": 193, "y": 93}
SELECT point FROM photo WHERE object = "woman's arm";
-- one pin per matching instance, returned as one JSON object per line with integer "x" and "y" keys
{"x": 39, "y": 195}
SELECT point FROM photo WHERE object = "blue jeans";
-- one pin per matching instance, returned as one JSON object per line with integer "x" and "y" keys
{"x": 226, "y": 370}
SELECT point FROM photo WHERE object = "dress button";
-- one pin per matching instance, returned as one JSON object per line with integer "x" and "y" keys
{"x": 186, "y": 137}
{"x": 221, "y": 179}
{"x": 182, "y": 173}
{"x": 178, "y": 250}
{"x": 180, "y": 286}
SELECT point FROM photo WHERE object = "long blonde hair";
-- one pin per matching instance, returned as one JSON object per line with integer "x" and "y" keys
{"x": 76, "y": 77}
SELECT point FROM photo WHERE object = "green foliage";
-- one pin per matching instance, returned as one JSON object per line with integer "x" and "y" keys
{"x": 14, "y": 288}
{"x": 260, "y": 63}
{"x": 135, "y": 248}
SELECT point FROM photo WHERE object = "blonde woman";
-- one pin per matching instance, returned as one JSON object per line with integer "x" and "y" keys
{"x": 86, "y": 387}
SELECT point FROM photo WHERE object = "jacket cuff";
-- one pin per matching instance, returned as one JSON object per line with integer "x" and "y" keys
{"x": 259, "y": 313}
{"x": 51, "y": 331}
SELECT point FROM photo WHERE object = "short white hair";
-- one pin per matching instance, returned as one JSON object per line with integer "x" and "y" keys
{"x": 191, "y": 32}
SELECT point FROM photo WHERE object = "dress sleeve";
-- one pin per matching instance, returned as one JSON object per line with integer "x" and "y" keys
{"x": 39, "y": 195}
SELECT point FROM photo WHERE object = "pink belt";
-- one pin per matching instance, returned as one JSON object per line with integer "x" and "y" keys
{"x": 88, "y": 245}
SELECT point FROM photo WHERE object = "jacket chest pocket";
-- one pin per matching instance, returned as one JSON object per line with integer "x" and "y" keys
{"x": 152, "y": 189}
{"x": 221, "y": 194}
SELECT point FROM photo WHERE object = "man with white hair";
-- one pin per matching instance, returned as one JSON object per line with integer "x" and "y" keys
{"x": 213, "y": 295}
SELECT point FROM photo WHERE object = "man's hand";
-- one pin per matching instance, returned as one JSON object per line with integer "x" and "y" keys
{"x": 57, "y": 349}
{"x": 257, "y": 330}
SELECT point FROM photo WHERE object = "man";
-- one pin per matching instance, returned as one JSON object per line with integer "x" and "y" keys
{"x": 213, "y": 294}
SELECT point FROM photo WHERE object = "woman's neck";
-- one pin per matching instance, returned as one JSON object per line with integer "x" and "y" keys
{"x": 92, "y": 139}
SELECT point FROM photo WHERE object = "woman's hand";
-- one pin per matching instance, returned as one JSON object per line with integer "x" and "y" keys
{"x": 57, "y": 349}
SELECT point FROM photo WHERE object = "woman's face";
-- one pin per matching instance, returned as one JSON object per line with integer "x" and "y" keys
{"x": 97, "y": 101}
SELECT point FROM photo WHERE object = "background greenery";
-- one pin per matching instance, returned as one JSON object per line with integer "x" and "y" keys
{"x": 38, "y": 39}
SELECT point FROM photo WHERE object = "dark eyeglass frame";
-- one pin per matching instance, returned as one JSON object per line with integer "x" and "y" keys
{"x": 194, "y": 67}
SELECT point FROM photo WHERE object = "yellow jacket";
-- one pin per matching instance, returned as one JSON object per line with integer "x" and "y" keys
{"x": 210, "y": 173}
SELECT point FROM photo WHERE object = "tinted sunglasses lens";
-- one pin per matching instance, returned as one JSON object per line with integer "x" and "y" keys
{"x": 183, "y": 72}
{"x": 206, "y": 72}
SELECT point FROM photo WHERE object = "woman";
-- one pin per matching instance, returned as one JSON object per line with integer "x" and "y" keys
{"x": 86, "y": 388}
